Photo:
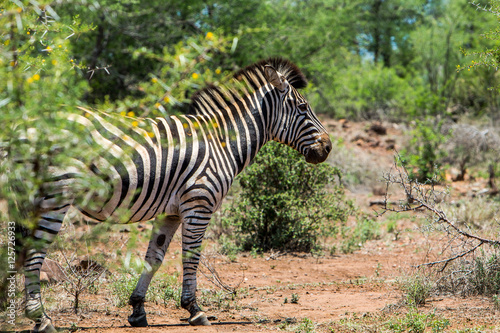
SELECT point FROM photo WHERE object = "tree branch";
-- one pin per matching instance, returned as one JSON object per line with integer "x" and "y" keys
{"x": 425, "y": 197}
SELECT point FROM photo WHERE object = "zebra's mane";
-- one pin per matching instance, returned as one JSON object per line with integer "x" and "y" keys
{"x": 221, "y": 96}
{"x": 292, "y": 73}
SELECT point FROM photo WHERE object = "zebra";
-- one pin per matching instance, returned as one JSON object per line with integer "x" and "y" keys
{"x": 176, "y": 170}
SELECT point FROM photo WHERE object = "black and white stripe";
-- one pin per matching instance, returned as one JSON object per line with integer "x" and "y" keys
{"x": 181, "y": 167}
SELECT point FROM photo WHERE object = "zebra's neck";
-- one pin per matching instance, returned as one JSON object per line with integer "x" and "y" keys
{"x": 238, "y": 127}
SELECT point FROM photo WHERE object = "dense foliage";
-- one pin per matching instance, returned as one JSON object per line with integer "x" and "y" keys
{"x": 286, "y": 203}
{"x": 386, "y": 59}
{"x": 365, "y": 59}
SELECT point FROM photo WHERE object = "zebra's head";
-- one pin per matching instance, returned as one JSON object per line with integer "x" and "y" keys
{"x": 296, "y": 124}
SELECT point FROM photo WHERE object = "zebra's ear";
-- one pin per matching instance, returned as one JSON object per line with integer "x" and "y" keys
{"x": 275, "y": 78}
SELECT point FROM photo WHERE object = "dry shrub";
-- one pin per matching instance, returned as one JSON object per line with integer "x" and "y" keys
{"x": 475, "y": 275}
{"x": 470, "y": 145}
{"x": 480, "y": 213}
{"x": 359, "y": 170}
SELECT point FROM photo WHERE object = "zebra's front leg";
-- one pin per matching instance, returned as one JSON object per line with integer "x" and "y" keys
{"x": 163, "y": 231}
{"x": 193, "y": 230}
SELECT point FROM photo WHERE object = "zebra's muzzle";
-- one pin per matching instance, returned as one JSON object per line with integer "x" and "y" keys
{"x": 320, "y": 151}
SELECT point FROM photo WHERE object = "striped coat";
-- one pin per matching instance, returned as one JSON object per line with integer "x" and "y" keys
{"x": 178, "y": 167}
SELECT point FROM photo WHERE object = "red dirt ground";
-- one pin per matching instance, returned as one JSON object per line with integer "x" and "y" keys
{"x": 356, "y": 292}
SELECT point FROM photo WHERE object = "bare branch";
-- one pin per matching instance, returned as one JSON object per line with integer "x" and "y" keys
{"x": 426, "y": 197}
{"x": 448, "y": 260}
{"x": 215, "y": 278}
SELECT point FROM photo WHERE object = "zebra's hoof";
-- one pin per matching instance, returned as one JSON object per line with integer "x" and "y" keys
{"x": 44, "y": 326}
{"x": 138, "y": 321}
{"x": 199, "y": 319}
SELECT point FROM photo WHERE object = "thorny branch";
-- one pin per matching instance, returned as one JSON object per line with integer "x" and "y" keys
{"x": 426, "y": 197}
{"x": 215, "y": 278}
{"x": 80, "y": 278}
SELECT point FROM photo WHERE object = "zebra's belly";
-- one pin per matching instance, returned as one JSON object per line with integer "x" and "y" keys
{"x": 131, "y": 211}
{"x": 122, "y": 202}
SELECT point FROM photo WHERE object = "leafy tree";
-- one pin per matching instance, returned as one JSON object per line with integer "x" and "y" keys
{"x": 385, "y": 27}
{"x": 42, "y": 83}
{"x": 38, "y": 84}
{"x": 482, "y": 57}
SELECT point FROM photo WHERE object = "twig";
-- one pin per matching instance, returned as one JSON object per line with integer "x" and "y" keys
{"x": 215, "y": 277}
{"x": 448, "y": 260}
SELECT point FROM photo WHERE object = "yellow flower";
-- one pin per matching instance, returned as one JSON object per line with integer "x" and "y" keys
{"x": 7, "y": 42}
{"x": 157, "y": 105}
{"x": 223, "y": 144}
{"x": 195, "y": 124}
{"x": 59, "y": 46}
{"x": 123, "y": 113}
{"x": 185, "y": 125}
{"x": 19, "y": 10}
{"x": 151, "y": 134}
{"x": 27, "y": 33}
{"x": 54, "y": 62}
{"x": 131, "y": 114}
{"x": 36, "y": 77}
{"x": 48, "y": 49}
{"x": 87, "y": 114}
{"x": 195, "y": 76}
{"x": 12, "y": 64}
{"x": 217, "y": 71}
{"x": 71, "y": 60}
{"x": 30, "y": 80}
{"x": 209, "y": 35}
{"x": 154, "y": 80}
{"x": 166, "y": 99}
{"x": 135, "y": 123}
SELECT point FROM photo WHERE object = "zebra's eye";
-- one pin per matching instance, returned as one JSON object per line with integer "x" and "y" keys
{"x": 303, "y": 107}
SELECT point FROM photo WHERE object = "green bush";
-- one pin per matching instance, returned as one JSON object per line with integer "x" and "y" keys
{"x": 419, "y": 322}
{"x": 286, "y": 203}
{"x": 417, "y": 289}
{"x": 424, "y": 155}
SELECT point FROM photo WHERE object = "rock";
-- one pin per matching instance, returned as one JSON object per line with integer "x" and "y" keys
{"x": 86, "y": 266}
{"x": 378, "y": 128}
{"x": 380, "y": 190}
{"x": 52, "y": 272}
{"x": 390, "y": 144}
{"x": 44, "y": 277}
{"x": 344, "y": 123}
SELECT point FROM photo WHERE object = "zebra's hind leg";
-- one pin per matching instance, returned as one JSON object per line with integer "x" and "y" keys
{"x": 193, "y": 231}
{"x": 47, "y": 228}
{"x": 163, "y": 232}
